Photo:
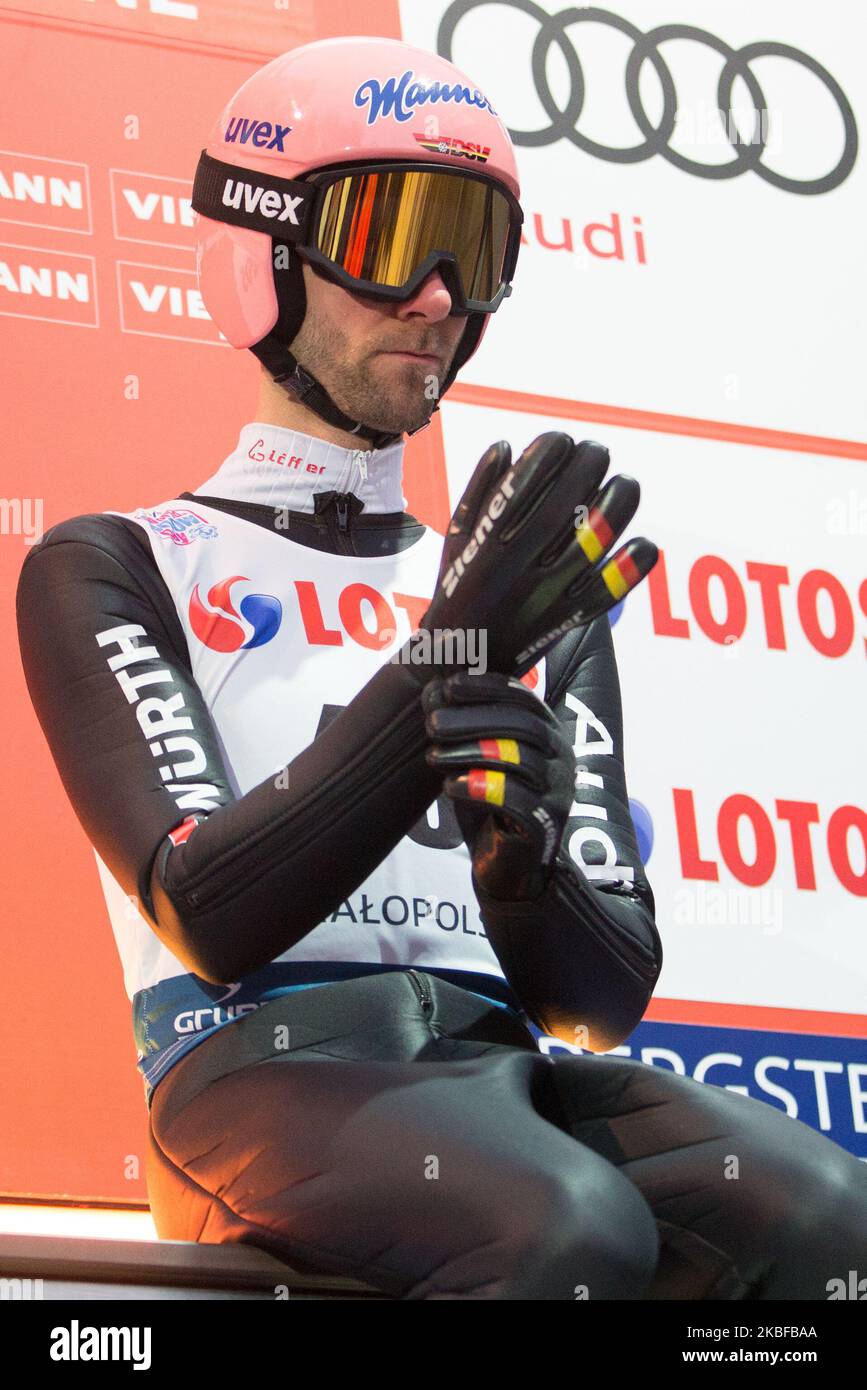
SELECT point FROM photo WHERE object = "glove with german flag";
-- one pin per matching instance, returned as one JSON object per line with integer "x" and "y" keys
{"x": 510, "y": 771}
{"x": 517, "y": 566}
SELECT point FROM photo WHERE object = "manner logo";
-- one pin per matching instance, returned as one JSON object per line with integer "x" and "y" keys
{"x": 400, "y": 96}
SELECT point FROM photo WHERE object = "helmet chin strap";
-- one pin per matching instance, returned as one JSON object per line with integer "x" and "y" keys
{"x": 303, "y": 386}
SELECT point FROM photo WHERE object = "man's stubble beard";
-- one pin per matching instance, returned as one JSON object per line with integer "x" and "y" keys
{"x": 384, "y": 398}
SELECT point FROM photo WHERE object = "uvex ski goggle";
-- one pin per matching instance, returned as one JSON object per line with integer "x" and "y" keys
{"x": 380, "y": 229}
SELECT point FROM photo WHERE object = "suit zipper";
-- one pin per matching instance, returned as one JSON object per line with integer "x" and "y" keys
{"x": 421, "y": 989}
{"x": 342, "y": 532}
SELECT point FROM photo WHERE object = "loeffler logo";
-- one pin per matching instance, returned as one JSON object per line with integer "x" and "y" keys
{"x": 266, "y": 201}
{"x": 257, "y": 454}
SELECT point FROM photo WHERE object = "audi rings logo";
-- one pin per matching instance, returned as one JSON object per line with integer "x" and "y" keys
{"x": 748, "y": 150}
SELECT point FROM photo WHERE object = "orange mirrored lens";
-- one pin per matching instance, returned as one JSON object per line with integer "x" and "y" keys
{"x": 381, "y": 227}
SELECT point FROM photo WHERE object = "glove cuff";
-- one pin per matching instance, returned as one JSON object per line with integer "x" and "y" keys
{"x": 516, "y": 909}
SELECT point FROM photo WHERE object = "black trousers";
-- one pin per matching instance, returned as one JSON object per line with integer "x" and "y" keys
{"x": 431, "y": 1150}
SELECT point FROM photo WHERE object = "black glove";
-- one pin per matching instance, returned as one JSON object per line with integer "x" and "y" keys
{"x": 514, "y": 564}
{"x": 510, "y": 772}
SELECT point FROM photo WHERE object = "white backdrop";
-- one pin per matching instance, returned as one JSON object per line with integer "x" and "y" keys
{"x": 745, "y": 309}
{"x": 749, "y": 302}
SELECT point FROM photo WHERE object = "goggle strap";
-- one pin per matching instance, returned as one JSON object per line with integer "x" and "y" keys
{"x": 248, "y": 198}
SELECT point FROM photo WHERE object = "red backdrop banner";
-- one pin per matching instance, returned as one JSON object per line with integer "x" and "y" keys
{"x": 117, "y": 391}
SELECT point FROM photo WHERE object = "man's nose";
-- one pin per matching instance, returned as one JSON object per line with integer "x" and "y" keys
{"x": 432, "y": 300}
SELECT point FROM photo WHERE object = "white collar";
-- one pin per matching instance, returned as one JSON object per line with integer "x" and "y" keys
{"x": 280, "y": 467}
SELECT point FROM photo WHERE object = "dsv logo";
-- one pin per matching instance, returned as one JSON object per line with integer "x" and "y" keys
{"x": 748, "y": 149}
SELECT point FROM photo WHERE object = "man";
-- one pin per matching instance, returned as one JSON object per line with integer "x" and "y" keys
{"x": 327, "y": 760}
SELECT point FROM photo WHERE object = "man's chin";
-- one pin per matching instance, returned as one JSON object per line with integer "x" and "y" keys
{"x": 399, "y": 424}
{"x": 409, "y": 407}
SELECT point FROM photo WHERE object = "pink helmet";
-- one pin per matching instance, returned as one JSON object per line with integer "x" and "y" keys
{"x": 332, "y": 103}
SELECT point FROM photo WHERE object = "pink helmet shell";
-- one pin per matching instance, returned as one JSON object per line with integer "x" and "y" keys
{"x": 332, "y": 102}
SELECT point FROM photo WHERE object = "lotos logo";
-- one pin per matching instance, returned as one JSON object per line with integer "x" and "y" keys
{"x": 450, "y": 144}
{"x": 398, "y": 97}
{"x": 224, "y": 630}
{"x": 263, "y": 134}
